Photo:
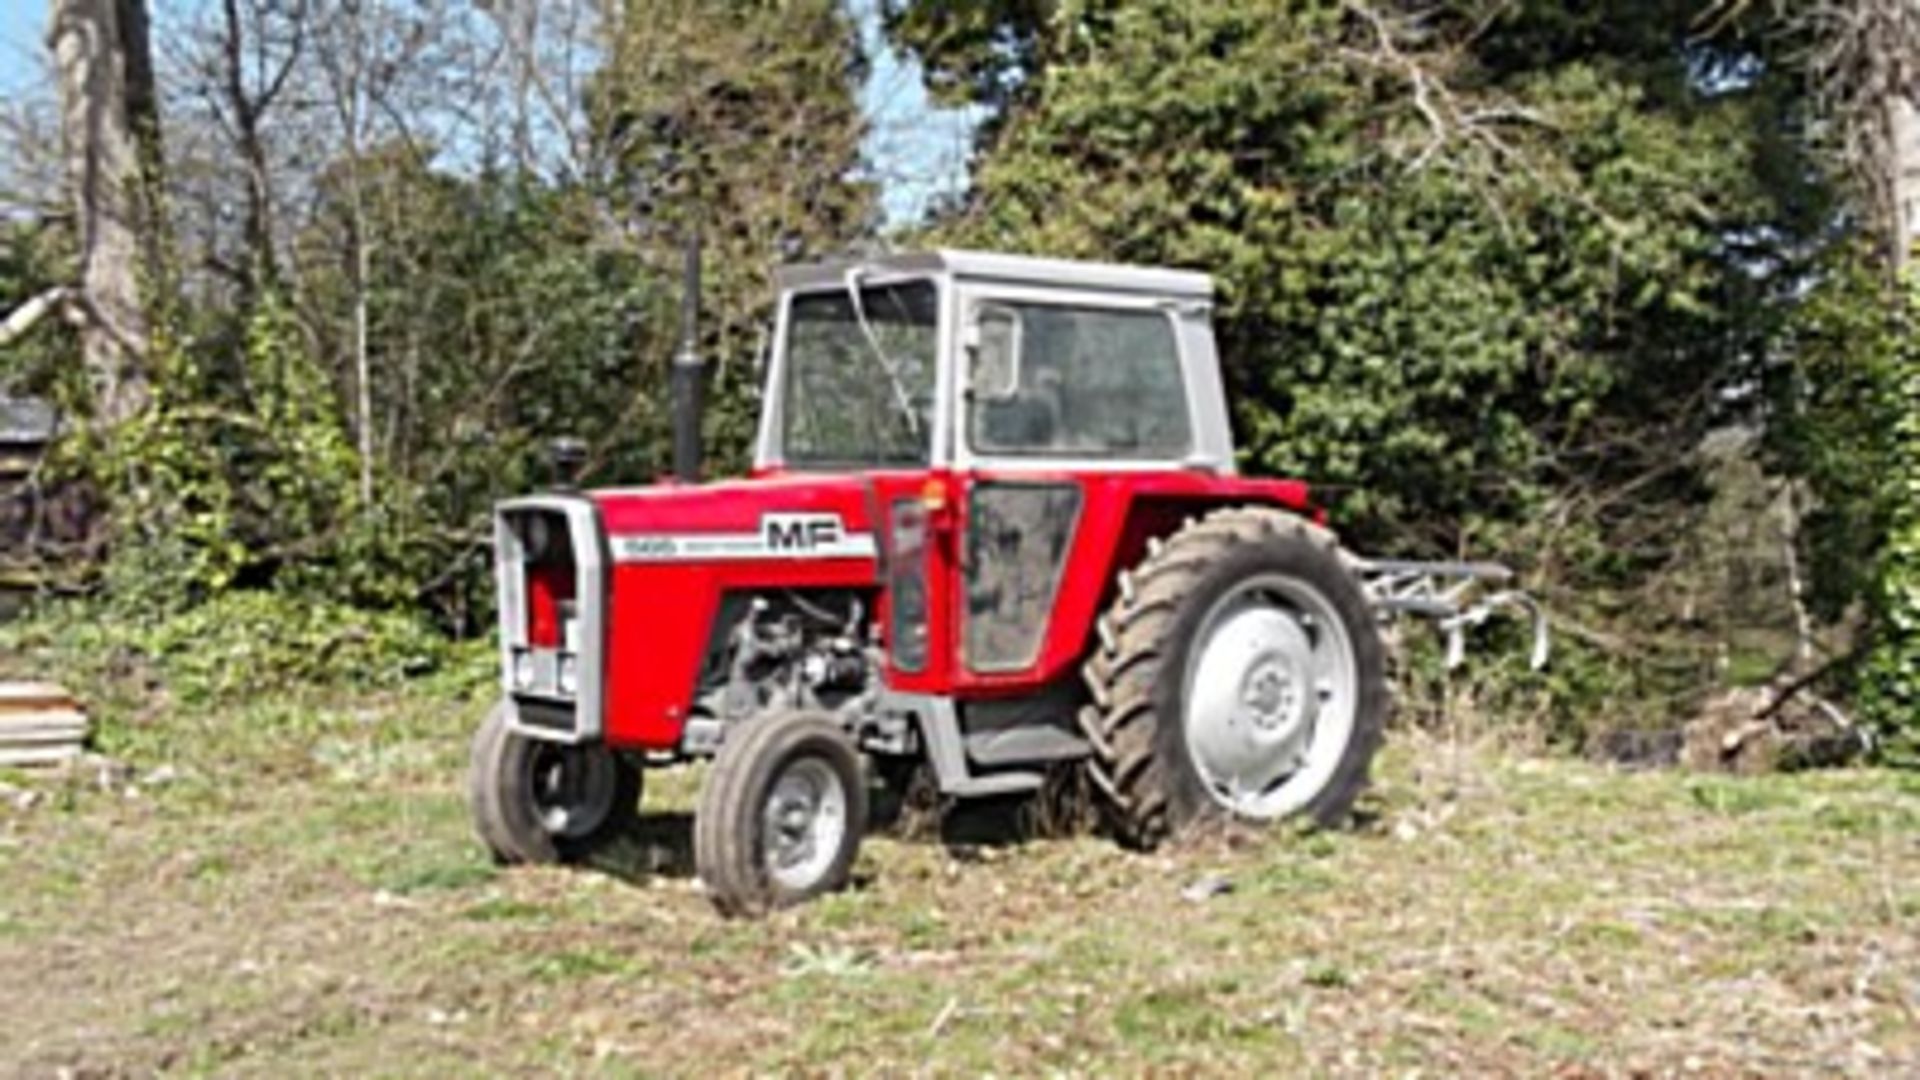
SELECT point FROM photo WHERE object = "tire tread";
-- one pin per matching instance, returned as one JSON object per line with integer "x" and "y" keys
{"x": 1135, "y": 639}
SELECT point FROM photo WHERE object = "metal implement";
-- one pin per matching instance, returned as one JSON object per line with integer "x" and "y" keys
{"x": 1452, "y": 595}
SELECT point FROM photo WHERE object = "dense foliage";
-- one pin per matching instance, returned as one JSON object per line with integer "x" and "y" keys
{"x": 1489, "y": 282}
{"x": 1841, "y": 422}
{"x": 242, "y": 644}
{"x": 1570, "y": 286}
{"x": 1892, "y": 676}
{"x": 347, "y": 381}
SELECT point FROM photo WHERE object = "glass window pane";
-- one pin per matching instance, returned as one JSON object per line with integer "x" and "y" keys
{"x": 851, "y": 400}
{"x": 1092, "y": 383}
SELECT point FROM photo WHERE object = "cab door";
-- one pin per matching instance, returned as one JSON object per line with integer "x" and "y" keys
{"x": 1015, "y": 544}
{"x": 1060, "y": 390}
{"x": 1017, "y": 523}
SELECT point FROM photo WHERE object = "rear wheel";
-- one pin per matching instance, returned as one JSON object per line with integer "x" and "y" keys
{"x": 535, "y": 801}
{"x": 781, "y": 814}
{"x": 1241, "y": 674}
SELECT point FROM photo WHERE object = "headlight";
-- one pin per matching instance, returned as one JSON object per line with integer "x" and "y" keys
{"x": 569, "y": 676}
{"x": 522, "y": 670}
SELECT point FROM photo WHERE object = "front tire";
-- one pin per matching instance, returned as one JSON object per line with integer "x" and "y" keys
{"x": 781, "y": 814}
{"x": 1239, "y": 674}
{"x": 540, "y": 802}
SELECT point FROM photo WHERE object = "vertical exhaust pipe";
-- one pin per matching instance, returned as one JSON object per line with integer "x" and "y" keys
{"x": 688, "y": 384}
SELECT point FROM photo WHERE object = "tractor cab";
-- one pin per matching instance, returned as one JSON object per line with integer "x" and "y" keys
{"x": 967, "y": 361}
{"x": 993, "y": 536}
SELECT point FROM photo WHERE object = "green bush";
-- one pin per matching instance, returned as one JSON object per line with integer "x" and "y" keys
{"x": 1850, "y": 424}
{"x": 1891, "y": 694}
{"x": 237, "y": 644}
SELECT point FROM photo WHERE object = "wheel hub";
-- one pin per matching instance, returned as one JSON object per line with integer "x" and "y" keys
{"x": 1269, "y": 694}
{"x": 573, "y": 788}
{"x": 1270, "y": 667}
{"x": 805, "y": 821}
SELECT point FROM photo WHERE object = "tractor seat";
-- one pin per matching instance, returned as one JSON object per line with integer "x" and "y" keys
{"x": 1024, "y": 423}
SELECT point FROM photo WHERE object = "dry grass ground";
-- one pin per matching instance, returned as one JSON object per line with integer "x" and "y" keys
{"x": 302, "y": 896}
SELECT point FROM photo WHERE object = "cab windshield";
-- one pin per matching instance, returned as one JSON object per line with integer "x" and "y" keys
{"x": 860, "y": 394}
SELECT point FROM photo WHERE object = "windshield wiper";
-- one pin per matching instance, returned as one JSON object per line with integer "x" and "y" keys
{"x": 900, "y": 395}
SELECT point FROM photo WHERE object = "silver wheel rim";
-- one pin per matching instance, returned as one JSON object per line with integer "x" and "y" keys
{"x": 805, "y": 822}
{"x": 573, "y": 788}
{"x": 1271, "y": 696}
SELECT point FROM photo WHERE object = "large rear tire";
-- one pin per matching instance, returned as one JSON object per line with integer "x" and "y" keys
{"x": 781, "y": 814}
{"x": 1239, "y": 674}
{"x": 540, "y": 802}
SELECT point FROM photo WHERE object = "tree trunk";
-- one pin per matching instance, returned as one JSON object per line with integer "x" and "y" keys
{"x": 248, "y": 107}
{"x": 111, "y": 132}
{"x": 351, "y": 87}
{"x": 1903, "y": 172}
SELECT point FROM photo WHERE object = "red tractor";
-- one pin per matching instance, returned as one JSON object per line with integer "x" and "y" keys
{"x": 994, "y": 528}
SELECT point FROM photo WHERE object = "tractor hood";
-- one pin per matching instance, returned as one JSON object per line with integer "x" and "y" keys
{"x": 678, "y": 551}
{"x": 803, "y": 517}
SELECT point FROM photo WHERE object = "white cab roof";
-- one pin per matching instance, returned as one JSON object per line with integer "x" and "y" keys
{"x": 994, "y": 266}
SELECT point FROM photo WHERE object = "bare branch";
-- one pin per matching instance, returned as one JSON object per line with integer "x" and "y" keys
{"x": 28, "y": 315}
{"x": 1449, "y": 120}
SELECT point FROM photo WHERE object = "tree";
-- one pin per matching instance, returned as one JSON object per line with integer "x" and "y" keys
{"x": 739, "y": 121}
{"x": 1863, "y": 64}
{"x": 259, "y": 48}
{"x": 982, "y": 53}
{"x": 112, "y": 136}
{"x": 417, "y": 241}
{"x": 1849, "y": 419}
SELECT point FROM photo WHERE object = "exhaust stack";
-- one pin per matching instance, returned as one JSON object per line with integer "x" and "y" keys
{"x": 688, "y": 383}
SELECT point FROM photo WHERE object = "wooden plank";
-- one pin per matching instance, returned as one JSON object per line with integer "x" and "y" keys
{"x": 42, "y": 723}
{"x": 35, "y": 697}
{"x": 50, "y": 738}
{"x": 42, "y": 738}
{"x": 32, "y": 691}
{"x": 40, "y": 732}
{"x": 40, "y": 707}
{"x": 62, "y": 712}
{"x": 38, "y": 755}
{"x": 58, "y": 714}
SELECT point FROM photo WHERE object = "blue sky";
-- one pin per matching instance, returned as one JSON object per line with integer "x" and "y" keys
{"x": 919, "y": 152}
{"x": 21, "y": 24}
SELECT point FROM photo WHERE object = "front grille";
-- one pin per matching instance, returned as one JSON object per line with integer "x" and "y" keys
{"x": 551, "y": 555}
{"x": 546, "y": 716}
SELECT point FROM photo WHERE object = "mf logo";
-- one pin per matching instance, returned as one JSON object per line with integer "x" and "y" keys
{"x": 801, "y": 533}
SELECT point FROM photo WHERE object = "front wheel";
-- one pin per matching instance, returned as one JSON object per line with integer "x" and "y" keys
{"x": 1240, "y": 673}
{"x": 535, "y": 801}
{"x": 781, "y": 814}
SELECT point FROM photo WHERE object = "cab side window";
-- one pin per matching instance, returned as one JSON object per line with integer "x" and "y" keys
{"x": 1076, "y": 382}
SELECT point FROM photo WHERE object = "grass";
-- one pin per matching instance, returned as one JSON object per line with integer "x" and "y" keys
{"x": 302, "y": 895}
